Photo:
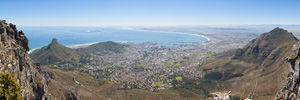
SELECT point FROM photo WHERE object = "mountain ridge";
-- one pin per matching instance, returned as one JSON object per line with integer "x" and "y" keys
{"x": 264, "y": 44}
{"x": 34, "y": 80}
{"x": 53, "y": 53}
{"x": 56, "y": 53}
{"x": 252, "y": 66}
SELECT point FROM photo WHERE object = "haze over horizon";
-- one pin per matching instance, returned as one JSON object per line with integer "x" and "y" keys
{"x": 150, "y": 12}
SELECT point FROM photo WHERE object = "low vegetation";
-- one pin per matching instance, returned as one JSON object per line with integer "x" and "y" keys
{"x": 9, "y": 87}
{"x": 56, "y": 54}
{"x": 257, "y": 69}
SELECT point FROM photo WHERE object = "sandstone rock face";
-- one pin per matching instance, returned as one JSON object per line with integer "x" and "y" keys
{"x": 291, "y": 89}
{"x": 14, "y": 59}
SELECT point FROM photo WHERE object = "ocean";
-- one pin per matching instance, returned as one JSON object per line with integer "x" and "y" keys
{"x": 71, "y": 36}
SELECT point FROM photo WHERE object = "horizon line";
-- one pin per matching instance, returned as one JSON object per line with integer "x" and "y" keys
{"x": 156, "y": 25}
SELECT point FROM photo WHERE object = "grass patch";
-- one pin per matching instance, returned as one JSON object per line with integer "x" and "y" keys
{"x": 157, "y": 83}
{"x": 162, "y": 76}
{"x": 178, "y": 78}
{"x": 177, "y": 64}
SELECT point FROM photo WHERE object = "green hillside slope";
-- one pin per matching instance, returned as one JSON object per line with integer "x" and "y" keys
{"x": 54, "y": 53}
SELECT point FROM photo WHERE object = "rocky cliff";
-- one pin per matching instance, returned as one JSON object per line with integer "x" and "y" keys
{"x": 291, "y": 89}
{"x": 34, "y": 80}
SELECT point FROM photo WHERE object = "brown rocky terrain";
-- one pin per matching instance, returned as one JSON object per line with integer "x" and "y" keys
{"x": 290, "y": 90}
{"x": 36, "y": 83}
{"x": 255, "y": 71}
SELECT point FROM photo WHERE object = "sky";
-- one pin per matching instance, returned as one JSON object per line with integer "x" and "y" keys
{"x": 149, "y": 12}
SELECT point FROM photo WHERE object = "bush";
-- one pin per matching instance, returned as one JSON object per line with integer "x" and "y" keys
{"x": 213, "y": 76}
{"x": 9, "y": 87}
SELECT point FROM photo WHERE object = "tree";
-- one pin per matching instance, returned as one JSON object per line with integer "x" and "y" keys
{"x": 9, "y": 87}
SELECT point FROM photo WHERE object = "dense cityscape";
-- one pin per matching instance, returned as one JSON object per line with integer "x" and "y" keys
{"x": 149, "y": 66}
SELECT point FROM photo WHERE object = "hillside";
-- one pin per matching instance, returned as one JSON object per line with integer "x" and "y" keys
{"x": 257, "y": 70}
{"x": 54, "y": 53}
{"x": 104, "y": 47}
{"x": 116, "y": 90}
{"x": 260, "y": 48}
{"x": 35, "y": 81}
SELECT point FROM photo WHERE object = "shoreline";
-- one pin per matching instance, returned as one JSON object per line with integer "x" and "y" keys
{"x": 76, "y": 46}
{"x": 81, "y": 45}
{"x": 208, "y": 39}
{"x": 30, "y": 51}
{"x": 72, "y": 46}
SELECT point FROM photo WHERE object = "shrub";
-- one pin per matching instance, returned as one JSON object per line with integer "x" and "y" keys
{"x": 9, "y": 87}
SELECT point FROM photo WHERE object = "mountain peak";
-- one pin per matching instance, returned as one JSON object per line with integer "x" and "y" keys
{"x": 260, "y": 48}
{"x": 278, "y": 30}
{"x": 54, "y": 53}
{"x": 54, "y": 41}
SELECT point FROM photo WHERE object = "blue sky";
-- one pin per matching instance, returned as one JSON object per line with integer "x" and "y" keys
{"x": 149, "y": 12}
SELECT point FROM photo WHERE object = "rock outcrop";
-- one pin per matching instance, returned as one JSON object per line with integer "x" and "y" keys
{"x": 34, "y": 80}
{"x": 291, "y": 89}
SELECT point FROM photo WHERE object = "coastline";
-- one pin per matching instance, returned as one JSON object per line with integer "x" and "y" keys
{"x": 208, "y": 39}
{"x": 88, "y": 44}
{"x": 76, "y": 46}
{"x": 30, "y": 51}
{"x": 72, "y": 46}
